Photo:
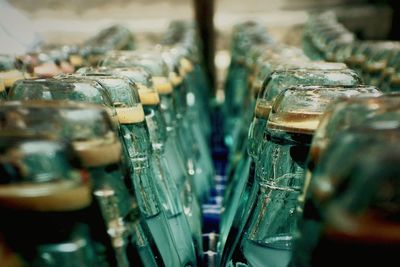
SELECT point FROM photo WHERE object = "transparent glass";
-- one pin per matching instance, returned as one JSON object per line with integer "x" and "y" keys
{"x": 151, "y": 61}
{"x": 277, "y": 82}
{"x": 270, "y": 218}
{"x": 115, "y": 37}
{"x": 174, "y": 209}
{"x": 378, "y": 61}
{"x": 345, "y": 113}
{"x": 389, "y": 70}
{"x": 122, "y": 92}
{"x": 191, "y": 118}
{"x": 344, "y": 204}
{"x": 91, "y": 133}
{"x": 40, "y": 184}
{"x": 256, "y": 131}
{"x": 154, "y": 64}
{"x": 3, "y": 92}
{"x": 124, "y": 96}
{"x": 138, "y": 152}
{"x": 62, "y": 88}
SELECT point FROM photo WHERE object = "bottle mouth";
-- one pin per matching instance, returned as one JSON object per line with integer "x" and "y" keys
{"x": 162, "y": 85}
{"x": 76, "y": 60}
{"x": 61, "y": 195}
{"x": 376, "y": 66}
{"x": 2, "y": 85}
{"x": 303, "y": 125}
{"x": 262, "y": 109}
{"x": 185, "y": 67}
{"x": 148, "y": 97}
{"x": 175, "y": 78}
{"x": 129, "y": 115}
{"x": 11, "y": 76}
{"x": 98, "y": 152}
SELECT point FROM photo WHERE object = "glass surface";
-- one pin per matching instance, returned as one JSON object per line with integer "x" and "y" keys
{"x": 90, "y": 132}
{"x": 40, "y": 184}
{"x": 342, "y": 202}
{"x": 280, "y": 174}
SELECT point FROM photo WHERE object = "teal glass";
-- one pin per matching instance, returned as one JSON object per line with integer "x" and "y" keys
{"x": 281, "y": 157}
{"x": 368, "y": 156}
{"x": 378, "y": 61}
{"x": 82, "y": 90}
{"x": 271, "y": 58}
{"x": 346, "y": 113}
{"x": 355, "y": 122}
{"x": 389, "y": 71}
{"x": 255, "y": 136}
{"x": 90, "y": 131}
{"x": 41, "y": 184}
{"x": 73, "y": 88}
{"x": 245, "y": 36}
{"x": 9, "y": 74}
{"x": 115, "y": 37}
{"x": 135, "y": 137}
{"x": 181, "y": 163}
{"x": 273, "y": 85}
{"x": 158, "y": 137}
{"x": 160, "y": 176}
{"x": 188, "y": 67}
{"x": 137, "y": 75}
{"x": 187, "y": 110}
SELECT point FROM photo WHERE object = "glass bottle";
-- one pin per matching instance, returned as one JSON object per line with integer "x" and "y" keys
{"x": 340, "y": 115}
{"x": 389, "y": 70}
{"x": 161, "y": 178}
{"x": 181, "y": 163}
{"x": 115, "y": 37}
{"x": 8, "y": 73}
{"x": 273, "y": 85}
{"x": 367, "y": 155}
{"x": 378, "y": 61}
{"x": 280, "y": 174}
{"x": 85, "y": 90}
{"x": 188, "y": 105}
{"x": 156, "y": 124}
{"x": 41, "y": 185}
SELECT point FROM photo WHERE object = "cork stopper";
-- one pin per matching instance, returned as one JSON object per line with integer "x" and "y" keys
{"x": 356, "y": 60}
{"x": 185, "y": 67}
{"x": 98, "y": 152}
{"x": 388, "y": 71}
{"x": 292, "y": 122}
{"x": 376, "y": 66}
{"x": 162, "y": 85}
{"x": 262, "y": 109}
{"x": 76, "y": 60}
{"x": 62, "y": 195}
{"x": 11, "y": 76}
{"x": 2, "y": 86}
{"x": 175, "y": 78}
{"x": 148, "y": 97}
{"x": 395, "y": 79}
{"x": 47, "y": 70}
{"x": 128, "y": 115}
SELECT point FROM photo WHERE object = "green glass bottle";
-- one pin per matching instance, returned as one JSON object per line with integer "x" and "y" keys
{"x": 269, "y": 230}
{"x": 181, "y": 164}
{"x": 41, "y": 185}
{"x": 85, "y": 90}
{"x": 275, "y": 82}
{"x": 161, "y": 178}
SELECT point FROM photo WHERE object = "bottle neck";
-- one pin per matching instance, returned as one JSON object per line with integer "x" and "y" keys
{"x": 157, "y": 127}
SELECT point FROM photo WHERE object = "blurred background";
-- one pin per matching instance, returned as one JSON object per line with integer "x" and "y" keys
{"x": 70, "y": 22}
